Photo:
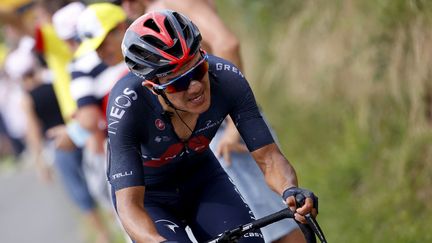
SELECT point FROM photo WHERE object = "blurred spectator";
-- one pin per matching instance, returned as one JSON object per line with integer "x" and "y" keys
{"x": 9, "y": 145}
{"x": 11, "y": 95}
{"x": 43, "y": 113}
{"x": 5, "y": 146}
{"x": 54, "y": 52}
{"x": 91, "y": 80}
{"x": 49, "y": 105}
{"x": 90, "y": 87}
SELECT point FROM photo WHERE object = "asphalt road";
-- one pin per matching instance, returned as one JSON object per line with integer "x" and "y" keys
{"x": 34, "y": 212}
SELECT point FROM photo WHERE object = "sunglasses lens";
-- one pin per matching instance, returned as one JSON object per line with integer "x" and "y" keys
{"x": 200, "y": 71}
{"x": 182, "y": 83}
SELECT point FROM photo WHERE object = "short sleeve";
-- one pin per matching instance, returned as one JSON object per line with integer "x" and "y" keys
{"x": 125, "y": 164}
{"x": 244, "y": 111}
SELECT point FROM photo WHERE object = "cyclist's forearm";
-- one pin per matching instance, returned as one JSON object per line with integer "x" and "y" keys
{"x": 139, "y": 226}
{"x": 135, "y": 219}
{"x": 278, "y": 172}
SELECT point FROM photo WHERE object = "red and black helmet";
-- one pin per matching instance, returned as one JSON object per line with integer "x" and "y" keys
{"x": 159, "y": 43}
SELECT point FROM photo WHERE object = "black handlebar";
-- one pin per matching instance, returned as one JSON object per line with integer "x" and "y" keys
{"x": 233, "y": 235}
{"x": 269, "y": 219}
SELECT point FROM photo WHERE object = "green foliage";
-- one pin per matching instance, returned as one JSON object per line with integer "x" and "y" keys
{"x": 343, "y": 84}
{"x": 264, "y": 14}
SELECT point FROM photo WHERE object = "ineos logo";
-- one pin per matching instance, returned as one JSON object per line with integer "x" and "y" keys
{"x": 117, "y": 110}
{"x": 123, "y": 101}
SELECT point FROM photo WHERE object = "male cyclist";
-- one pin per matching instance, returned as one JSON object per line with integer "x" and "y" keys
{"x": 218, "y": 40}
{"x": 159, "y": 136}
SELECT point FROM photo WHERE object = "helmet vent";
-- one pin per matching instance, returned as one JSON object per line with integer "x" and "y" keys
{"x": 142, "y": 70}
{"x": 144, "y": 54}
{"x": 180, "y": 20}
{"x": 194, "y": 47}
{"x": 154, "y": 41}
{"x": 152, "y": 25}
{"x": 176, "y": 49}
{"x": 169, "y": 28}
{"x": 183, "y": 25}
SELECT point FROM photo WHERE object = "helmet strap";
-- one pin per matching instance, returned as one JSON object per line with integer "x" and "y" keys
{"x": 176, "y": 110}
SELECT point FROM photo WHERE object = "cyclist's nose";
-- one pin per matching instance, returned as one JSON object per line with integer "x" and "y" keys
{"x": 194, "y": 86}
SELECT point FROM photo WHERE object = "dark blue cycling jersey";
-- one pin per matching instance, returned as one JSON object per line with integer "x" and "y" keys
{"x": 185, "y": 184}
{"x": 145, "y": 150}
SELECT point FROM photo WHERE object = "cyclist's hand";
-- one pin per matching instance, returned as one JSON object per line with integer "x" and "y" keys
{"x": 302, "y": 202}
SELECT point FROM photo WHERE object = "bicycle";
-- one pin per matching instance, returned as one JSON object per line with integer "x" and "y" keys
{"x": 233, "y": 235}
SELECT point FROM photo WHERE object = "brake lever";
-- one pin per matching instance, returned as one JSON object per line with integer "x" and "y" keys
{"x": 300, "y": 201}
{"x": 315, "y": 227}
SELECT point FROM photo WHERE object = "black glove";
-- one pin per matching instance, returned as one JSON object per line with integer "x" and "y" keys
{"x": 300, "y": 195}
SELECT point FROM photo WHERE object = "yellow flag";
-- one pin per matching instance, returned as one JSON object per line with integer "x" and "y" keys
{"x": 58, "y": 55}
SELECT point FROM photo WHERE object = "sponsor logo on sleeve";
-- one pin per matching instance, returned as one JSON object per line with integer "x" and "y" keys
{"x": 122, "y": 174}
{"x": 118, "y": 109}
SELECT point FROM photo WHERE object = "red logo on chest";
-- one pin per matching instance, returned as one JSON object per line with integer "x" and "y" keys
{"x": 195, "y": 144}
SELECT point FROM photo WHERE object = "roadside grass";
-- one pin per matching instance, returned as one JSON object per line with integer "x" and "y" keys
{"x": 345, "y": 85}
